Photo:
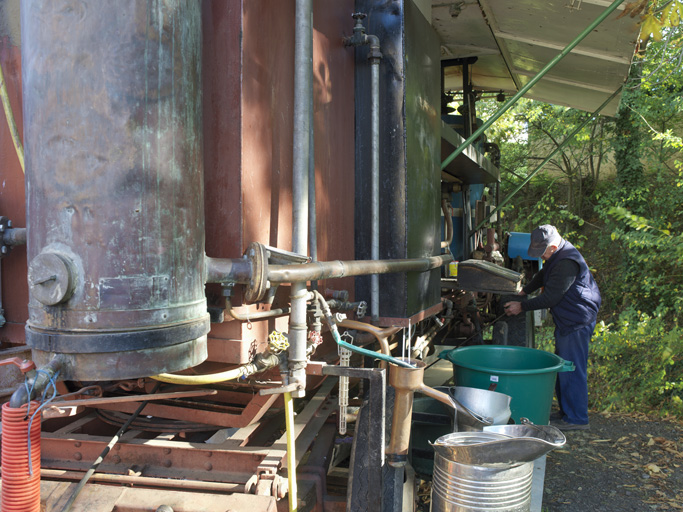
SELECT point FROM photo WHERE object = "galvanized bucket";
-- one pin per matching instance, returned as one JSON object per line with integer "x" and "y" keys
{"x": 458, "y": 487}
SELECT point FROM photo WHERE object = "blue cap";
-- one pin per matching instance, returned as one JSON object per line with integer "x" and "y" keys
{"x": 541, "y": 238}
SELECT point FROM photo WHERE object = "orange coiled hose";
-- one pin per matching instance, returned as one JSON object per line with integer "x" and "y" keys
{"x": 20, "y": 483}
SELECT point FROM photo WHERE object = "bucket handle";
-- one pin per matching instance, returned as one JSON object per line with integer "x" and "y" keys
{"x": 567, "y": 366}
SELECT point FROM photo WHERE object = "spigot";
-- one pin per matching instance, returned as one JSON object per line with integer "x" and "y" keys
{"x": 359, "y": 37}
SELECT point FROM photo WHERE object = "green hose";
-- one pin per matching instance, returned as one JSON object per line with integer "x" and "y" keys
{"x": 349, "y": 346}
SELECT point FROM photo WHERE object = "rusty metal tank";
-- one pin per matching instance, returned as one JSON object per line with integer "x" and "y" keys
{"x": 114, "y": 185}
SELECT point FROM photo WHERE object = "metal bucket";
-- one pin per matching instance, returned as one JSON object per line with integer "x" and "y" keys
{"x": 489, "y": 404}
{"x": 458, "y": 487}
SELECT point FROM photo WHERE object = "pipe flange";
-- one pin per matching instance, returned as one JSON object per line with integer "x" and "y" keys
{"x": 258, "y": 284}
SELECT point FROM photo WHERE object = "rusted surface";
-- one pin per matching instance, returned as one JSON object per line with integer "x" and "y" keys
{"x": 12, "y": 197}
{"x": 152, "y": 458}
{"x": 106, "y": 498}
{"x": 209, "y": 414}
{"x": 248, "y": 101}
{"x": 114, "y": 165}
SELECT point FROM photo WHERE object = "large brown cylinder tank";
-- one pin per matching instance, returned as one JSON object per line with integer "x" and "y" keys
{"x": 114, "y": 185}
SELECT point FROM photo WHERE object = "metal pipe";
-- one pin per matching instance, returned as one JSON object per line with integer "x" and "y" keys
{"x": 257, "y": 315}
{"x": 449, "y": 224}
{"x": 14, "y": 236}
{"x": 146, "y": 481}
{"x": 547, "y": 159}
{"x": 335, "y": 335}
{"x": 37, "y": 382}
{"x": 303, "y": 90}
{"x": 312, "y": 213}
{"x": 374, "y": 57}
{"x": 380, "y": 334}
{"x": 222, "y": 270}
{"x": 336, "y": 269}
{"x": 303, "y": 82}
{"x": 531, "y": 83}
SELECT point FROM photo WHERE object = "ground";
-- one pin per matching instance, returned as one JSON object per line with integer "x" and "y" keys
{"x": 623, "y": 463}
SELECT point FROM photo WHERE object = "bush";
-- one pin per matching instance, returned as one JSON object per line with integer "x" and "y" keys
{"x": 636, "y": 364}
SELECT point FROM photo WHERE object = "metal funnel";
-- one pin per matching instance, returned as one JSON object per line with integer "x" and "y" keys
{"x": 406, "y": 381}
{"x": 500, "y": 445}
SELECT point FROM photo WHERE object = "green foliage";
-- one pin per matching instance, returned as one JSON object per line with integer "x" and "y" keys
{"x": 630, "y": 230}
{"x": 636, "y": 364}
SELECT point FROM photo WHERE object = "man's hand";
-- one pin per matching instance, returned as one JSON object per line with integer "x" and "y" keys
{"x": 513, "y": 308}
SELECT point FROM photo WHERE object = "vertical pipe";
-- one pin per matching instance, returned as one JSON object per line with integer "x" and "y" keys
{"x": 303, "y": 89}
{"x": 291, "y": 459}
{"x": 312, "y": 215}
{"x": 303, "y": 81}
{"x": 374, "y": 191}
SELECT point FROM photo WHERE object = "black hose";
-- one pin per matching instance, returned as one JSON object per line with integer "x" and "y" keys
{"x": 104, "y": 453}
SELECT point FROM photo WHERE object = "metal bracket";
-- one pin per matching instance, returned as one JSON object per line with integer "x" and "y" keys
{"x": 376, "y": 378}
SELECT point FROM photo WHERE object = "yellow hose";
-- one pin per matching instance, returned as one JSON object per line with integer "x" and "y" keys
{"x": 200, "y": 380}
{"x": 10, "y": 120}
{"x": 291, "y": 459}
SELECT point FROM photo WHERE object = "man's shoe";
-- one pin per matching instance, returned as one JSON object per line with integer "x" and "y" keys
{"x": 564, "y": 425}
{"x": 556, "y": 415}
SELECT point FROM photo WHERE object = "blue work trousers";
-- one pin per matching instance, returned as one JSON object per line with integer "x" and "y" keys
{"x": 571, "y": 388}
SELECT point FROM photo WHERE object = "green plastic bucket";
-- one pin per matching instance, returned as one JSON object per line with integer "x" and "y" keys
{"x": 526, "y": 374}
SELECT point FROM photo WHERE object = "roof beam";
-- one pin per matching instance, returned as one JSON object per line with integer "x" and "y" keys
{"x": 554, "y": 46}
{"x": 563, "y": 81}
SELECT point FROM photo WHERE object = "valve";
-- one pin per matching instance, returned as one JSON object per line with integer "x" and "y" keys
{"x": 24, "y": 365}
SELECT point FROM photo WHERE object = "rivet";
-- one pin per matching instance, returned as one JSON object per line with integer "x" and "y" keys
{"x": 116, "y": 459}
{"x": 78, "y": 456}
{"x": 208, "y": 466}
{"x": 167, "y": 463}
{"x": 77, "y": 444}
{"x": 167, "y": 451}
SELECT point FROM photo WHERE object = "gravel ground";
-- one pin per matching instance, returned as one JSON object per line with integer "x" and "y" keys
{"x": 623, "y": 463}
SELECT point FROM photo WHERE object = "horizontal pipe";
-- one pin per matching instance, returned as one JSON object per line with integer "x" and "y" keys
{"x": 334, "y": 269}
{"x": 14, "y": 236}
{"x": 147, "y": 481}
{"x": 256, "y": 315}
{"x": 221, "y": 270}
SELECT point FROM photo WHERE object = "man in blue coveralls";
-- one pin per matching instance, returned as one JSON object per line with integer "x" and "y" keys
{"x": 572, "y": 295}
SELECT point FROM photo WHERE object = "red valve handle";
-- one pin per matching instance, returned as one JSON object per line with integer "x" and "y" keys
{"x": 24, "y": 365}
